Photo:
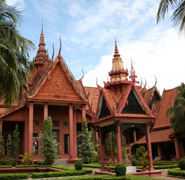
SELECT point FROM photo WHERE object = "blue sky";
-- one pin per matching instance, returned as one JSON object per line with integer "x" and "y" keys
{"x": 88, "y": 29}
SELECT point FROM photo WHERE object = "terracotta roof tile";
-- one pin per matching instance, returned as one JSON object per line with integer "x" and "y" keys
{"x": 148, "y": 95}
{"x": 157, "y": 136}
{"x": 167, "y": 100}
{"x": 93, "y": 94}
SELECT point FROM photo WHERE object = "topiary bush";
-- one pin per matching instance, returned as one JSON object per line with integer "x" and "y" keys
{"x": 120, "y": 170}
{"x": 78, "y": 165}
{"x": 182, "y": 164}
{"x": 134, "y": 162}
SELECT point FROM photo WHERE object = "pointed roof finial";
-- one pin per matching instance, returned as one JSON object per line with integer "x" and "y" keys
{"x": 59, "y": 52}
{"x": 53, "y": 53}
{"x": 116, "y": 52}
{"x": 42, "y": 32}
{"x": 131, "y": 63}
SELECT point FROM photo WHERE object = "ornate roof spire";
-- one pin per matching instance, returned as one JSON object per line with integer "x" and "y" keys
{"x": 118, "y": 73}
{"x": 41, "y": 53}
{"x": 132, "y": 73}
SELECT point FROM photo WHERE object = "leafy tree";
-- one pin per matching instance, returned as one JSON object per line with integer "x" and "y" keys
{"x": 177, "y": 17}
{"x": 16, "y": 141}
{"x": 142, "y": 156}
{"x": 9, "y": 145}
{"x": 86, "y": 146}
{"x": 14, "y": 64}
{"x": 177, "y": 112}
{"x": 1, "y": 144}
{"x": 49, "y": 146}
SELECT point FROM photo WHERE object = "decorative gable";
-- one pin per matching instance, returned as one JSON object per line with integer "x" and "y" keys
{"x": 104, "y": 110}
{"x": 57, "y": 86}
{"x": 133, "y": 106}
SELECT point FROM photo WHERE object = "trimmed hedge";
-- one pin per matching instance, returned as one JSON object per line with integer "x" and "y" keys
{"x": 6, "y": 166}
{"x": 34, "y": 165}
{"x": 61, "y": 174}
{"x": 176, "y": 172}
{"x": 12, "y": 176}
{"x": 95, "y": 165}
{"x": 62, "y": 167}
{"x": 161, "y": 166}
{"x": 108, "y": 177}
{"x": 166, "y": 161}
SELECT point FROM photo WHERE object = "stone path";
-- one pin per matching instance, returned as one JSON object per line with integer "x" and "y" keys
{"x": 166, "y": 177}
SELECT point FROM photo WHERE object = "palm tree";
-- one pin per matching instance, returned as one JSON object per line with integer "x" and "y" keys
{"x": 178, "y": 16}
{"x": 14, "y": 64}
{"x": 177, "y": 112}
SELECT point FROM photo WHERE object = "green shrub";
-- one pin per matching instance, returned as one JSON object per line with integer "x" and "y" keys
{"x": 33, "y": 165}
{"x": 120, "y": 170}
{"x": 40, "y": 162}
{"x": 134, "y": 162}
{"x": 176, "y": 172}
{"x": 6, "y": 166}
{"x": 182, "y": 164}
{"x": 161, "y": 166}
{"x": 61, "y": 174}
{"x": 62, "y": 167}
{"x": 8, "y": 161}
{"x": 13, "y": 176}
{"x": 78, "y": 165}
{"x": 26, "y": 159}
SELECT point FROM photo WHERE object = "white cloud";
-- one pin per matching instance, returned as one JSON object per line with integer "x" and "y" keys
{"x": 19, "y": 3}
{"x": 159, "y": 54}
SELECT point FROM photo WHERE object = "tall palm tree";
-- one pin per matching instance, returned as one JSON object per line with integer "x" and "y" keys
{"x": 14, "y": 63}
{"x": 177, "y": 112}
{"x": 178, "y": 16}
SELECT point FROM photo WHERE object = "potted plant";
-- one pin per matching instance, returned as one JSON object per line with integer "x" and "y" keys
{"x": 142, "y": 156}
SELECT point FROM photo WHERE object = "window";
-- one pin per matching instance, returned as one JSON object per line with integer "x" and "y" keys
{"x": 35, "y": 123}
{"x": 66, "y": 143}
{"x": 55, "y": 123}
{"x": 35, "y": 143}
{"x": 66, "y": 124}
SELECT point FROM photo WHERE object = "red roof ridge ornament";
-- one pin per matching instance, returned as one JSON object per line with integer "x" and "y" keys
{"x": 116, "y": 52}
{"x": 59, "y": 52}
{"x": 53, "y": 54}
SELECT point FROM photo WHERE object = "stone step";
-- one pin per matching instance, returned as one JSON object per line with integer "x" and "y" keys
{"x": 61, "y": 162}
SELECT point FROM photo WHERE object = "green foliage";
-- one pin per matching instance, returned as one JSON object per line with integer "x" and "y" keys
{"x": 120, "y": 170}
{"x": 176, "y": 172}
{"x": 177, "y": 15}
{"x": 6, "y": 166}
{"x": 1, "y": 144}
{"x": 86, "y": 148}
{"x": 49, "y": 146}
{"x": 78, "y": 165}
{"x": 32, "y": 165}
{"x": 61, "y": 174}
{"x": 104, "y": 177}
{"x": 134, "y": 162}
{"x": 16, "y": 141}
{"x": 142, "y": 156}
{"x": 26, "y": 159}
{"x": 161, "y": 166}
{"x": 182, "y": 164}
{"x": 177, "y": 112}
{"x": 8, "y": 161}
{"x": 14, "y": 58}
{"x": 12, "y": 176}
{"x": 9, "y": 145}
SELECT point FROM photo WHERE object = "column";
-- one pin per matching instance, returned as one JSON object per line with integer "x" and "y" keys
{"x": 135, "y": 136}
{"x": 177, "y": 150}
{"x": 83, "y": 111}
{"x": 45, "y": 110}
{"x": 30, "y": 129}
{"x": 181, "y": 146}
{"x": 101, "y": 151}
{"x": 119, "y": 153}
{"x": 75, "y": 136}
{"x": 71, "y": 132}
{"x": 1, "y": 125}
{"x": 112, "y": 151}
{"x": 149, "y": 146}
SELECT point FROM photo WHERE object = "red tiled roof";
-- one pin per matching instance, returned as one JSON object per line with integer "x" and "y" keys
{"x": 167, "y": 100}
{"x": 157, "y": 136}
{"x": 93, "y": 94}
